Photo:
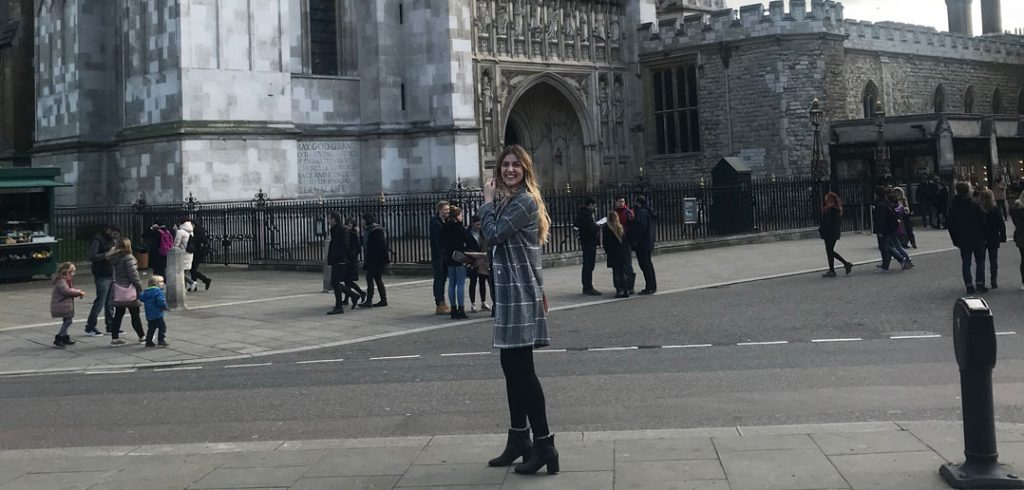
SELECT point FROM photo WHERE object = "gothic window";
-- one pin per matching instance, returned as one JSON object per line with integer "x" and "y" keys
{"x": 676, "y": 120}
{"x": 997, "y": 102}
{"x": 870, "y": 99}
{"x": 969, "y": 100}
{"x": 323, "y": 36}
{"x": 940, "y": 99}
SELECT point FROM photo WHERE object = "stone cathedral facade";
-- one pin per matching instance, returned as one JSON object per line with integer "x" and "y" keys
{"x": 160, "y": 99}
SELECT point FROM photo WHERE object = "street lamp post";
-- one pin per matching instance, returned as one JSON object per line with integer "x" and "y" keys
{"x": 882, "y": 167}
{"x": 818, "y": 154}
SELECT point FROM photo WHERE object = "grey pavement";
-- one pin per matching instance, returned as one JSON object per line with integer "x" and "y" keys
{"x": 249, "y": 314}
{"x": 877, "y": 455}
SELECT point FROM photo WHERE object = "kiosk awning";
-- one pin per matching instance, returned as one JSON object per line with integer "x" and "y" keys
{"x": 19, "y": 183}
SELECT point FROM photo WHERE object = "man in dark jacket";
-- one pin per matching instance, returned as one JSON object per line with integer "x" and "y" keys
{"x": 643, "y": 239}
{"x": 884, "y": 225}
{"x": 626, "y": 217}
{"x": 437, "y": 257}
{"x": 103, "y": 277}
{"x": 337, "y": 255}
{"x": 967, "y": 228}
{"x": 925, "y": 196}
{"x": 589, "y": 236}
{"x": 941, "y": 203}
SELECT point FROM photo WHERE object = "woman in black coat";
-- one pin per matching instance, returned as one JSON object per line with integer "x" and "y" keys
{"x": 831, "y": 223}
{"x": 616, "y": 249}
{"x": 375, "y": 259}
{"x": 352, "y": 262}
{"x": 996, "y": 232}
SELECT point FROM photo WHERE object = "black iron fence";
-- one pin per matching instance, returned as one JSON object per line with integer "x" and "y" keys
{"x": 293, "y": 231}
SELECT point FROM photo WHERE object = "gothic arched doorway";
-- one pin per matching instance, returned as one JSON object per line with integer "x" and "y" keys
{"x": 545, "y": 122}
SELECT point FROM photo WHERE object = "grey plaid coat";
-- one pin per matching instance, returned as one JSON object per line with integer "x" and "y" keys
{"x": 512, "y": 230}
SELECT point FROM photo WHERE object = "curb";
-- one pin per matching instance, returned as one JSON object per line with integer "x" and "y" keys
{"x": 184, "y": 362}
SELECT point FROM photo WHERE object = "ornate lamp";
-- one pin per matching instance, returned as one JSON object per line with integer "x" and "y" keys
{"x": 881, "y": 150}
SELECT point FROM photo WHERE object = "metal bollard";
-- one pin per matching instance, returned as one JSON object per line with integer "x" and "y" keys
{"x": 974, "y": 340}
{"x": 175, "y": 279}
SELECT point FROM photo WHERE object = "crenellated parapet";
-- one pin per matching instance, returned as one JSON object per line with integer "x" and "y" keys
{"x": 823, "y": 17}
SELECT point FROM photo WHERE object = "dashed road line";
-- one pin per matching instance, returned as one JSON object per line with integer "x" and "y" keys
{"x": 460, "y": 354}
{"x": 687, "y": 346}
{"x": 772, "y": 342}
{"x": 606, "y": 349}
{"x": 111, "y": 371}
{"x": 179, "y": 368}
{"x": 851, "y": 339}
{"x": 319, "y": 361}
{"x": 906, "y": 337}
{"x": 389, "y": 358}
{"x": 235, "y": 366}
{"x": 541, "y": 351}
{"x": 1006, "y": 333}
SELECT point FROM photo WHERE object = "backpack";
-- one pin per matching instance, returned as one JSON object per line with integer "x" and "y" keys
{"x": 166, "y": 242}
{"x": 190, "y": 247}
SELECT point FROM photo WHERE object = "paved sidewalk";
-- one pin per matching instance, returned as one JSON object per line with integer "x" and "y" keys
{"x": 883, "y": 455}
{"x": 255, "y": 313}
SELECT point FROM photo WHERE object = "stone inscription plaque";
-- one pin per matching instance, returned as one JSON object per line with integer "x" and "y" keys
{"x": 328, "y": 168}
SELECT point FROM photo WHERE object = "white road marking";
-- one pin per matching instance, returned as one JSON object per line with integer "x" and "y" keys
{"x": 233, "y": 366}
{"x": 774, "y": 342}
{"x": 319, "y": 361}
{"x": 388, "y": 358}
{"x": 688, "y": 346}
{"x": 181, "y": 368}
{"x": 601, "y": 349}
{"x": 456, "y": 354}
{"x": 905, "y": 337}
{"x": 851, "y": 339}
{"x": 1006, "y": 333}
{"x": 541, "y": 351}
{"x": 111, "y": 371}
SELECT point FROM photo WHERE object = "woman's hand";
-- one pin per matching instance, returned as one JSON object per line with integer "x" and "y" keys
{"x": 489, "y": 189}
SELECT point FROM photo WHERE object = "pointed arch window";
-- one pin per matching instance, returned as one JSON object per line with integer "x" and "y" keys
{"x": 330, "y": 37}
{"x": 939, "y": 100}
{"x": 870, "y": 99}
{"x": 969, "y": 100}
{"x": 997, "y": 101}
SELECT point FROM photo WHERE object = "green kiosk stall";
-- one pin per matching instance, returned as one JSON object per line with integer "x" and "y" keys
{"x": 27, "y": 245}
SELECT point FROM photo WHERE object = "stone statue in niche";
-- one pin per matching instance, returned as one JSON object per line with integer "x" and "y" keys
{"x": 536, "y": 10}
{"x": 483, "y": 17}
{"x": 554, "y": 21}
{"x": 599, "y": 26}
{"x": 619, "y": 105}
{"x": 584, "y": 28}
{"x": 603, "y": 108}
{"x": 486, "y": 108}
{"x": 519, "y": 19}
{"x": 569, "y": 26}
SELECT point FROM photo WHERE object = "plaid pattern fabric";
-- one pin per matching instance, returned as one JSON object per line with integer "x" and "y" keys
{"x": 512, "y": 231}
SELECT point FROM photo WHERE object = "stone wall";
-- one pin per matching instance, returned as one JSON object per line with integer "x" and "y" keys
{"x": 17, "y": 74}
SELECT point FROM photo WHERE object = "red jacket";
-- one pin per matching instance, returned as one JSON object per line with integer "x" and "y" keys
{"x": 626, "y": 216}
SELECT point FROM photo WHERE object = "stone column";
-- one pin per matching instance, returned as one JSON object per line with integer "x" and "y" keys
{"x": 991, "y": 17}
{"x": 175, "y": 279}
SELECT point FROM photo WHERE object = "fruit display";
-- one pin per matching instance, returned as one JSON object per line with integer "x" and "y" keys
{"x": 25, "y": 255}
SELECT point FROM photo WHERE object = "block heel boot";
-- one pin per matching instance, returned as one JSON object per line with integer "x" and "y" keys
{"x": 517, "y": 446}
{"x": 543, "y": 454}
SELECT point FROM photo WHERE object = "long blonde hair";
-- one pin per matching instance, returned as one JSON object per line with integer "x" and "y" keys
{"x": 987, "y": 199}
{"x": 615, "y": 225}
{"x": 530, "y": 181}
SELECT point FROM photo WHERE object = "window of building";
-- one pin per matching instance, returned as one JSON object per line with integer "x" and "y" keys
{"x": 940, "y": 99}
{"x": 997, "y": 102}
{"x": 323, "y": 36}
{"x": 870, "y": 99}
{"x": 969, "y": 100}
{"x": 676, "y": 119}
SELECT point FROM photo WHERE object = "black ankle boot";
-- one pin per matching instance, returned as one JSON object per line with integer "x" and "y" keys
{"x": 58, "y": 341}
{"x": 517, "y": 446}
{"x": 542, "y": 454}
{"x": 68, "y": 341}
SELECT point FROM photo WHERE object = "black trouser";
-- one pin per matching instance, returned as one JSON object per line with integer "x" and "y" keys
{"x": 196, "y": 275}
{"x": 925, "y": 209}
{"x": 978, "y": 253}
{"x": 940, "y": 215}
{"x": 375, "y": 277}
{"x": 115, "y": 328}
{"x": 338, "y": 284}
{"x": 620, "y": 279}
{"x": 156, "y": 325}
{"x": 158, "y": 263}
{"x": 589, "y": 261}
{"x": 643, "y": 259}
{"x": 1021, "y": 250}
{"x": 440, "y": 274}
{"x": 525, "y": 395}
{"x": 1001, "y": 204}
{"x": 830, "y": 252}
{"x": 482, "y": 280}
{"x": 993, "y": 261}
{"x": 628, "y": 265}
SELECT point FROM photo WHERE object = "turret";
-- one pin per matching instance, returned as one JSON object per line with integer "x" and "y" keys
{"x": 959, "y": 17}
{"x": 991, "y": 17}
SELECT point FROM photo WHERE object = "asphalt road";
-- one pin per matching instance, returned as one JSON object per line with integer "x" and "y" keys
{"x": 685, "y": 362}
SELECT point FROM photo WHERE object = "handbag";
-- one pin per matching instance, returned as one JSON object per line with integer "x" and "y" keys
{"x": 125, "y": 294}
{"x": 461, "y": 257}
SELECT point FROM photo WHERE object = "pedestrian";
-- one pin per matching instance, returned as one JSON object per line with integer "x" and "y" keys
{"x": 626, "y": 217}
{"x": 337, "y": 254}
{"x": 896, "y": 240}
{"x": 62, "y": 302}
{"x": 925, "y": 198}
{"x": 355, "y": 247}
{"x": 830, "y": 230}
{"x": 103, "y": 277}
{"x": 967, "y": 229}
{"x": 126, "y": 289}
{"x": 995, "y": 226}
{"x": 155, "y": 304}
{"x": 941, "y": 204}
{"x": 642, "y": 238}
{"x": 201, "y": 248}
{"x": 1017, "y": 214}
{"x": 906, "y": 217}
{"x": 376, "y": 257}
{"x": 153, "y": 237}
{"x": 183, "y": 241}
{"x": 516, "y": 223}
{"x": 455, "y": 259}
{"x": 480, "y": 270}
{"x": 615, "y": 245}
{"x": 437, "y": 260}
{"x": 999, "y": 189}
{"x": 590, "y": 235}
{"x": 885, "y": 225}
